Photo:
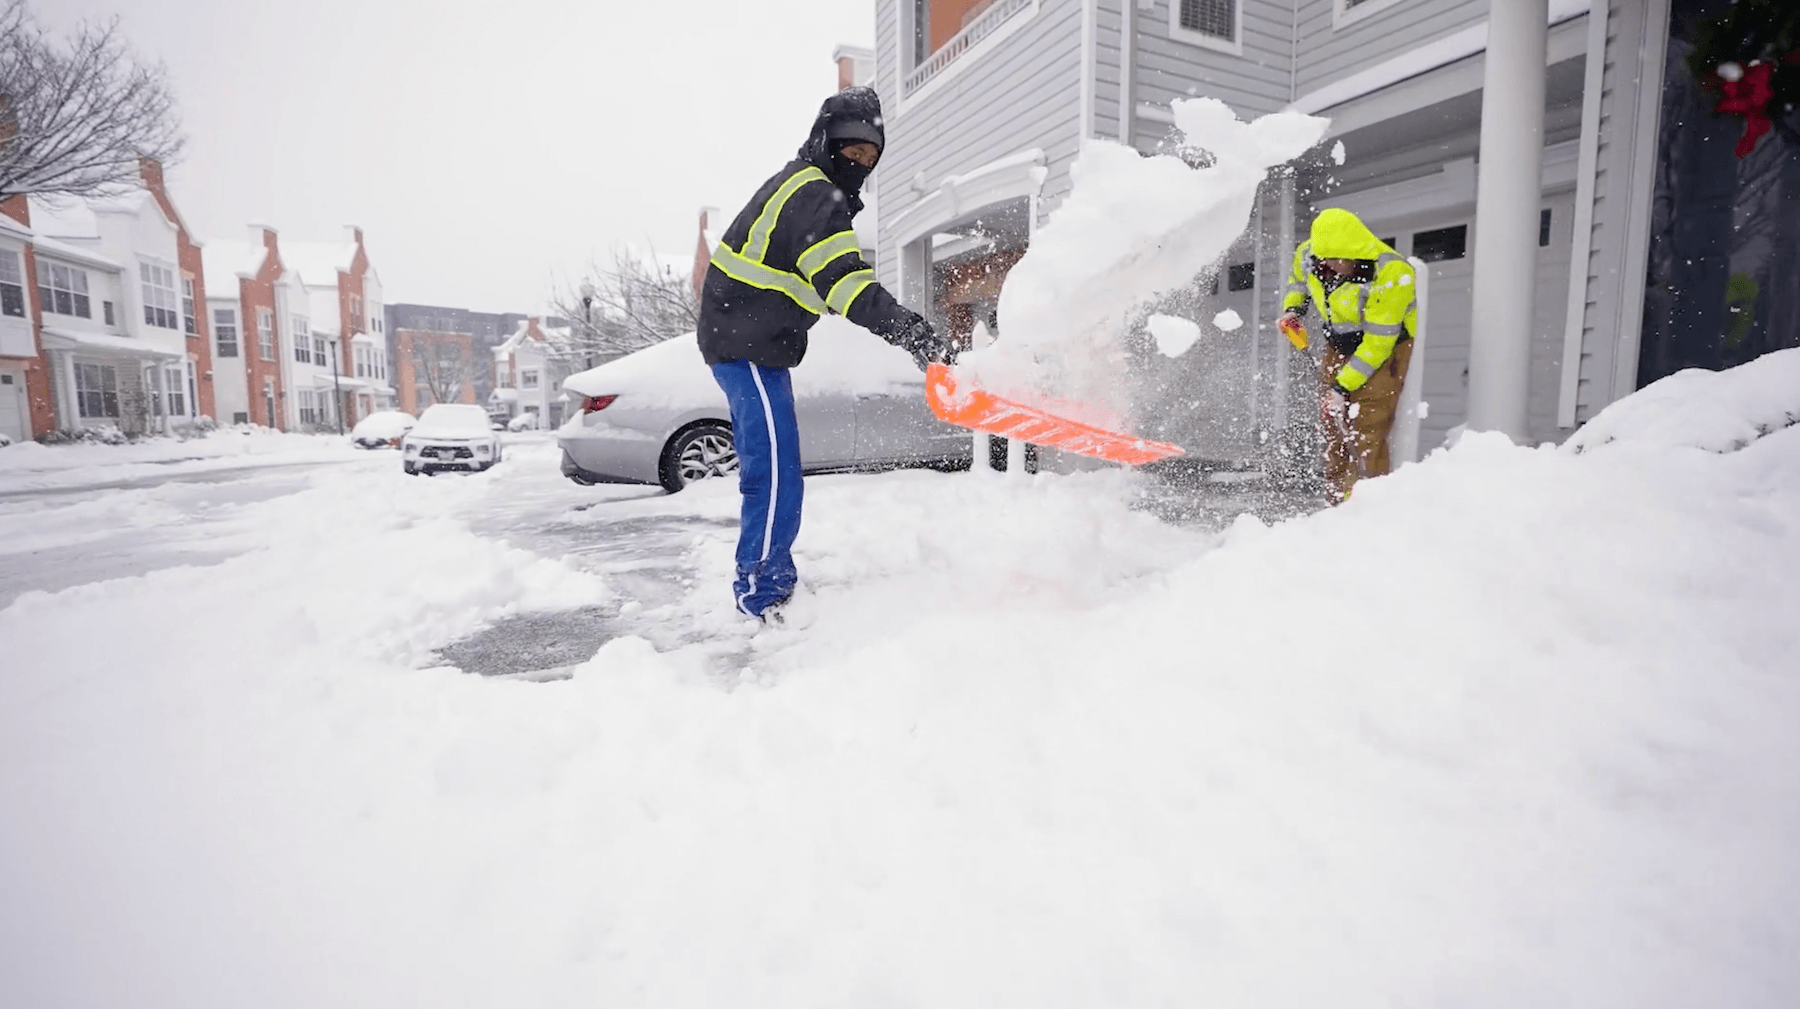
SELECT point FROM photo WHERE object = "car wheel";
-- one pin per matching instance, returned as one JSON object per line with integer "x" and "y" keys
{"x": 410, "y": 469}
{"x": 697, "y": 453}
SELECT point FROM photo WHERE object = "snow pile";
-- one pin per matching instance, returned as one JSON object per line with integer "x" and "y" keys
{"x": 1037, "y": 749}
{"x": 31, "y": 466}
{"x": 1229, "y": 321}
{"x": 1134, "y": 228}
{"x": 1719, "y": 411}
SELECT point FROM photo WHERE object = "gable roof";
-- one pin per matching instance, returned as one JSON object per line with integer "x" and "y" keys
{"x": 225, "y": 261}
{"x": 318, "y": 263}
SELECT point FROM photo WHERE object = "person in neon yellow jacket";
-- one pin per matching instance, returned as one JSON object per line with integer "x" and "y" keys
{"x": 1363, "y": 292}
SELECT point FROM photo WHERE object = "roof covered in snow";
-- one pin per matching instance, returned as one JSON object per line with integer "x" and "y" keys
{"x": 318, "y": 263}
{"x": 224, "y": 261}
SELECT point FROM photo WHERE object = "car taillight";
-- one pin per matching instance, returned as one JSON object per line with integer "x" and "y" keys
{"x": 594, "y": 404}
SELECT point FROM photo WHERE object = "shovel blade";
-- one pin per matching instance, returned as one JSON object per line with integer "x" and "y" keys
{"x": 969, "y": 406}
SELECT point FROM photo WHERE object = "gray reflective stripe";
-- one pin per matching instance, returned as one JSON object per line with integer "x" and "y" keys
{"x": 819, "y": 256}
{"x": 1361, "y": 367}
{"x": 755, "y": 274}
{"x": 757, "y": 245}
{"x": 1382, "y": 329}
{"x": 843, "y": 293}
{"x": 1294, "y": 287}
{"x": 1362, "y": 301}
{"x": 1343, "y": 328}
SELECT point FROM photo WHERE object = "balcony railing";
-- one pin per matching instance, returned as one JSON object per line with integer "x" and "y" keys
{"x": 960, "y": 43}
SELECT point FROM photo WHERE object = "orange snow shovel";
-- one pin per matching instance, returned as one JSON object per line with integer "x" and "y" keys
{"x": 981, "y": 410}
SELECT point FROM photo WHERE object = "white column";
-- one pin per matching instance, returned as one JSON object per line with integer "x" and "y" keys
{"x": 1506, "y": 216}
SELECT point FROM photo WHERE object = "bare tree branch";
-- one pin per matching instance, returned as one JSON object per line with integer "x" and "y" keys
{"x": 443, "y": 367}
{"x": 637, "y": 302}
{"x": 76, "y": 114}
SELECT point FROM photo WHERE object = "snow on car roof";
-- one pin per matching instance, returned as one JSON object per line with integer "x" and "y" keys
{"x": 840, "y": 357}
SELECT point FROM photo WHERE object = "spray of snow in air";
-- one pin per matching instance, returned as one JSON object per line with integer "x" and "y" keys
{"x": 1133, "y": 229}
{"x": 1337, "y": 153}
{"x": 1173, "y": 335}
{"x": 1228, "y": 320}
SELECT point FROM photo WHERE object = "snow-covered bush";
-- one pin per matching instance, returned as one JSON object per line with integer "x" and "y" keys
{"x": 4, "y": 441}
{"x": 108, "y": 435}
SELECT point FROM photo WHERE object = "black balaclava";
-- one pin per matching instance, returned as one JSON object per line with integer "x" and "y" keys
{"x": 851, "y": 115}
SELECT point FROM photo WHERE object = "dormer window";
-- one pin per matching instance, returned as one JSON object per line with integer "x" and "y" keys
{"x": 162, "y": 306}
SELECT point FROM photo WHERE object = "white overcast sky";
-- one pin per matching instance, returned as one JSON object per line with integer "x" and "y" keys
{"x": 483, "y": 146}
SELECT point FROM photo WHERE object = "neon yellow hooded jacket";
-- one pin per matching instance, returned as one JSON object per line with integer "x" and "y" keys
{"x": 1381, "y": 309}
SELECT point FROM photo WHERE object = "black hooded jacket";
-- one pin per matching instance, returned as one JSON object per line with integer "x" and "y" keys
{"x": 791, "y": 254}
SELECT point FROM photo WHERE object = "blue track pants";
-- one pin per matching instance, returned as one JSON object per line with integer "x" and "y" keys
{"x": 767, "y": 439}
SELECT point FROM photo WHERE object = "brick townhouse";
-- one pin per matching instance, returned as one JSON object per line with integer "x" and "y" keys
{"x": 242, "y": 278}
{"x": 99, "y": 313}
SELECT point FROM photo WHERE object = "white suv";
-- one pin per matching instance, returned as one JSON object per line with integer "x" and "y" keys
{"x": 450, "y": 436}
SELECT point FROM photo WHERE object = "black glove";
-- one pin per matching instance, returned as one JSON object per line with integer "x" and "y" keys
{"x": 924, "y": 344}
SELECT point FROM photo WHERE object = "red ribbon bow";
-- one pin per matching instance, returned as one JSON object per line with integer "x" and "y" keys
{"x": 1749, "y": 96}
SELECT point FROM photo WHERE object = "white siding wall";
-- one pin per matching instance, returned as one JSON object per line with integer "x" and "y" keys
{"x": 1166, "y": 68}
{"x": 1024, "y": 93}
{"x": 1328, "y": 53}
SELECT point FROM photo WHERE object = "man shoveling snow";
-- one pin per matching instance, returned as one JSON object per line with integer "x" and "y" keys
{"x": 790, "y": 257}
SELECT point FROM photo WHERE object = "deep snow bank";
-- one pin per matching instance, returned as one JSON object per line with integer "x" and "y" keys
{"x": 1719, "y": 411}
{"x": 1132, "y": 229}
{"x": 1513, "y": 727}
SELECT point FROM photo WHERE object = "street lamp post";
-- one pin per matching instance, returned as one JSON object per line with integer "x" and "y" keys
{"x": 587, "y": 321}
{"x": 337, "y": 390}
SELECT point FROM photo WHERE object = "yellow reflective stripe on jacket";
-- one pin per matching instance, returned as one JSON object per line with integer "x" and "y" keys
{"x": 843, "y": 293}
{"x": 756, "y": 246}
{"x": 755, "y": 274}
{"x": 820, "y": 255}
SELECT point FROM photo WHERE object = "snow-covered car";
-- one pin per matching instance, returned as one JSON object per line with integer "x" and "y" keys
{"x": 658, "y": 417}
{"x": 523, "y": 422}
{"x": 382, "y": 429}
{"x": 450, "y": 436}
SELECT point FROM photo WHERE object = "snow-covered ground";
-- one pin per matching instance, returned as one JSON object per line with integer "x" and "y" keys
{"x": 1513, "y": 727}
{"x": 31, "y": 466}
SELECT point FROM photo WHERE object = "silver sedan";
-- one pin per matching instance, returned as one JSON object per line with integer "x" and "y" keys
{"x": 657, "y": 416}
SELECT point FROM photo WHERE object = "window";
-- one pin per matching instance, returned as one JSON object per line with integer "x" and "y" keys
{"x": 528, "y": 380}
{"x": 1210, "y": 23}
{"x": 265, "y": 333}
{"x": 355, "y": 315}
{"x": 1441, "y": 244}
{"x": 362, "y": 360}
{"x": 97, "y": 390}
{"x": 193, "y": 397}
{"x": 303, "y": 345}
{"x": 240, "y": 417}
{"x": 188, "y": 323}
{"x": 225, "y": 331}
{"x": 269, "y": 401}
{"x": 1544, "y": 228}
{"x": 106, "y": 310}
{"x": 320, "y": 355}
{"x": 309, "y": 410}
{"x": 12, "y": 284}
{"x": 1242, "y": 277}
{"x": 63, "y": 290}
{"x": 174, "y": 378}
{"x": 1345, "y": 12}
{"x": 161, "y": 309}
{"x": 424, "y": 397}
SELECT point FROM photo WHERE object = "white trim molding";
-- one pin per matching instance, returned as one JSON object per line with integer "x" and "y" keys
{"x": 1581, "y": 252}
{"x": 1234, "y": 45}
{"x": 1014, "y": 177}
